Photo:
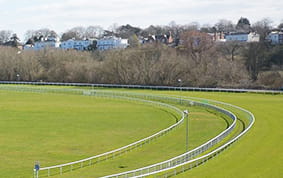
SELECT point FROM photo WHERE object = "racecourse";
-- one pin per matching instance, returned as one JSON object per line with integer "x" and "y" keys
{"x": 58, "y": 128}
{"x": 259, "y": 152}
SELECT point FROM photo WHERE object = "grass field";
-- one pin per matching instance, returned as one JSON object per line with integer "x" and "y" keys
{"x": 59, "y": 128}
{"x": 259, "y": 153}
{"x": 25, "y": 134}
{"x": 54, "y": 128}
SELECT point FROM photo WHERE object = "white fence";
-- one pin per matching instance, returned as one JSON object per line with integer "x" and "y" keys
{"x": 172, "y": 166}
{"x": 149, "y": 87}
{"x": 111, "y": 154}
{"x": 184, "y": 166}
{"x": 186, "y": 157}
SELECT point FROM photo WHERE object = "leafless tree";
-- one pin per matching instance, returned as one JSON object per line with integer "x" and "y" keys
{"x": 196, "y": 44}
{"x": 94, "y": 32}
{"x": 224, "y": 25}
{"x": 5, "y": 35}
{"x": 43, "y": 32}
{"x": 262, "y": 27}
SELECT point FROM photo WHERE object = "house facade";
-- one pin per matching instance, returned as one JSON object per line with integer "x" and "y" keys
{"x": 112, "y": 42}
{"x": 76, "y": 44}
{"x": 43, "y": 43}
{"x": 242, "y": 37}
{"x": 218, "y": 36}
{"x": 275, "y": 37}
{"x": 165, "y": 39}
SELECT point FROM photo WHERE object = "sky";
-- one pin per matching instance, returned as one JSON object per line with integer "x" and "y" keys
{"x": 61, "y": 15}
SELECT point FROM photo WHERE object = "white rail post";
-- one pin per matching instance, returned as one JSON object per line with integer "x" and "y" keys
{"x": 186, "y": 112}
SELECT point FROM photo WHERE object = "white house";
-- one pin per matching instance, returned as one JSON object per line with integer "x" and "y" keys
{"x": 242, "y": 37}
{"x": 107, "y": 43}
{"x": 46, "y": 44}
{"x": 275, "y": 37}
{"x": 253, "y": 37}
{"x": 43, "y": 43}
{"x": 76, "y": 44}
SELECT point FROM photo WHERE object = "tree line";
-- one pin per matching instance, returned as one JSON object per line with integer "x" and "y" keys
{"x": 254, "y": 65}
{"x": 198, "y": 61}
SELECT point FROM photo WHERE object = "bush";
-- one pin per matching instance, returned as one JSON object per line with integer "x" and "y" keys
{"x": 271, "y": 79}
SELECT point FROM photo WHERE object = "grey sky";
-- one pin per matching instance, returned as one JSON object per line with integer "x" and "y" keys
{"x": 22, "y": 15}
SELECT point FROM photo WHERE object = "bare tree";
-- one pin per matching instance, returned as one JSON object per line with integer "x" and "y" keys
{"x": 224, "y": 25}
{"x": 5, "y": 35}
{"x": 74, "y": 33}
{"x": 230, "y": 49}
{"x": 113, "y": 28}
{"x": 196, "y": 44}
{"x": 43, "y": 32}
{"x": 254, "y": 57}
{"x": 94, "y": 32}
{"x": 69, "y": 35}
{"x": 262, "y": 27}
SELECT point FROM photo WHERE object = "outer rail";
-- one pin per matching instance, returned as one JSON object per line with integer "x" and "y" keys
{"x": 179, "y": 168}
{"x": 148, "y": 87}
{"x": 113, "y": 153}
{"x": 187, "y": 159}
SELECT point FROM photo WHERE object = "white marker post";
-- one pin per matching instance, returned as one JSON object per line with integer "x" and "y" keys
{"x": 180, "y": 88}
{"x": 186, "y": 112}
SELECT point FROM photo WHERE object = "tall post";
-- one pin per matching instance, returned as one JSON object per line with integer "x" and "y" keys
{"x": 36, "y": 169}
{"x": 180, "y": 85}
{"x": 186, "y": 112}
{"x": 92, "y": 90}
{"x": 18, "y": 77}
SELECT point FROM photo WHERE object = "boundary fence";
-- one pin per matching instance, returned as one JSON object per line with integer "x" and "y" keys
{"x": 182, "y": 167}
{"x": 172, "y": 166}
{"x": 110, "y": 154}
{"x": 148, "y": 87}
{"x": 186, "y": 157}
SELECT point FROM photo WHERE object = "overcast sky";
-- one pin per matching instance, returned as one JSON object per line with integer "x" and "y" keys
{"x": 60, "y": 15}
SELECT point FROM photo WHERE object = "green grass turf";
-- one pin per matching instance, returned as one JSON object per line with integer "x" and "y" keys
{"x": 203, "y": 126}
{"x": 257, "y": 154}
{"x": 58, "y": 128}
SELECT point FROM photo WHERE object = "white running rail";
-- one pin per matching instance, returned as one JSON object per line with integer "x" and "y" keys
{"x": 173, "y": 163}
{"x": 184, "y": 162}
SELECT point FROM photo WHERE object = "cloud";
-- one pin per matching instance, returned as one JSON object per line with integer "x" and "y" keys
{"x": 62, "y": 15}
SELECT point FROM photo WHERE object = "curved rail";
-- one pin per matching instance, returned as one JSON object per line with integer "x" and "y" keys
{"x": 110, "y": 154}
{"x": 131, "y": 146}
{"x": 173, "y": 163}
{"x": 168, "y": 164}
{"x": 200, "y": 160}
{"x": 182, "y": 163}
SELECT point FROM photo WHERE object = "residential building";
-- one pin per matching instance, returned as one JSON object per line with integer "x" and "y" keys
{"x": 275, "y": 37}
{"x": 13, "y": 42}
{"x": 42, "y": 43}
{"x": 218, "y": 36}
{"x": 165, "y": 39}
{"x": 242, "y": 37}
{"x": 112, "y": 42}
{"x": 80, "y": 45}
